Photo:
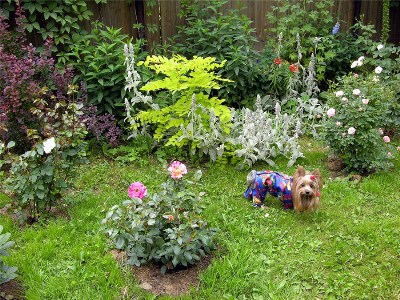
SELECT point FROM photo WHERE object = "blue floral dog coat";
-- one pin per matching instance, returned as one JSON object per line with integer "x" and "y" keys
{"x": 264, "y": 182}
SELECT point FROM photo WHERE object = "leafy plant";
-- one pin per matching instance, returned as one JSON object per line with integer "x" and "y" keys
{"x": 6, "y": 273}
{"x": 30, "y": 81}
{"x": 307, "y": 18}
{"x": 185, "y": 77}
{"x": 58, "y": 20}
{"x": 99, "y": 60}
{"x": 166, "y": 228}
{"x": 210, "y": 33}
{"x": 352, "y": 129}
{"x": 259, "y": 136}
{"x": 138, "y": 149}
{"x": 104, "y": 127}
{"x": 39, "y": 178}
{"x": 385, "y": 21}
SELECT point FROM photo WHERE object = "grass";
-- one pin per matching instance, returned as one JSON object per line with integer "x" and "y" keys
{"x": 348, "y": 249}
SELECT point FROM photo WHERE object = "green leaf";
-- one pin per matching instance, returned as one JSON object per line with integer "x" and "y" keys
{"x": 10, "y": 144}
{"x": 120, "y": 242}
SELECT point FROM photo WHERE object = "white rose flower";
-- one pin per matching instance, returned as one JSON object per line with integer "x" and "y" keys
{"x": 356, "y": 92}
{"x": 361, "y": 59}
{"x": 378, "y": 70}
{"x": 354, "y": 64}
{"x": 380, "y": 46}
{"x": 339, "y": 93}
{"x": 49, "y": 145}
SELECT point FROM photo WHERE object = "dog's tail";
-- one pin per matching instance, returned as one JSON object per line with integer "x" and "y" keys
{"x": 251, "y": 178}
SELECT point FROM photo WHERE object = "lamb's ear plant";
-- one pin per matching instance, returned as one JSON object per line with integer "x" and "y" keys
{"x": 7, "y": 273}
{"x": 259, "y": 136}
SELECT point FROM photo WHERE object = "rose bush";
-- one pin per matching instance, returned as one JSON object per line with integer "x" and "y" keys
{"x": 165, "y": 228}
{"x": 352, "y": 129}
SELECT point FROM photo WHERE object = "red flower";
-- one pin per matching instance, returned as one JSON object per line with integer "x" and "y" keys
{"x": 277, "y": 61}
{"x": 294, "y": 68}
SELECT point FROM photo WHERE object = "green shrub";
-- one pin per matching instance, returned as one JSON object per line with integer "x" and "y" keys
{"x": 307, "y": 18}
{"x": 6, "y": 273}
{"x": 210, "y": 33}
{"x": 99, "y": 61}
{"x": 58, "y": 20}
{"x": 165, "y": 228}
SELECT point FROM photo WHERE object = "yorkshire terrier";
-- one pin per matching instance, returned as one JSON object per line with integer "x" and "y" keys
{"x": 301, "y": 192}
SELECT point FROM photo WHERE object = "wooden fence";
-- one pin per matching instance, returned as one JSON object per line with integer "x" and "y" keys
{"x": 160, "y": 20}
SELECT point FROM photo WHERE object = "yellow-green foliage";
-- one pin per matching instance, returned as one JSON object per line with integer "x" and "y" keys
{"x": 181, "y": 73}
{"x": 188, "y": 77}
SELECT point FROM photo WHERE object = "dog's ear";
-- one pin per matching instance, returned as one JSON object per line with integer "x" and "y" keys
{"x": 300, "y": 172}
{"x": 317, "y": 174}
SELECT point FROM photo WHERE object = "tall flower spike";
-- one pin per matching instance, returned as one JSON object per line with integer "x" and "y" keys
{"x": 336, "y": 28}
{"x": 280, "y": 36}
{"x": 299, "y": 55}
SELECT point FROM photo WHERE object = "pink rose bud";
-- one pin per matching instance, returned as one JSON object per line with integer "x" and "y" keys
{"x": 386, "y": 139}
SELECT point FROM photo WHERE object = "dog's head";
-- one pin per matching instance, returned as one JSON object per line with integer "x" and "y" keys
{"x": 306, "y": 189}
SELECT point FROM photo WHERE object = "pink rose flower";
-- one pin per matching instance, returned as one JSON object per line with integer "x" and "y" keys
{"x": 351, "y": 130}
{"x": 137, "y": 190}
{"x": 356, "y": 92}
{"x": 345, "y": 100}
{"x": 177, "y": 169}
{"x": 365, "y": 101}
{"x": 356, "y": 75}
{"x": 386, "y": 139}
{"x": 331, "y": 112}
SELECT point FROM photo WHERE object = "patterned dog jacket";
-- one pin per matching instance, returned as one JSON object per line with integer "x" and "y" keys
{"x": 264, "y": 182}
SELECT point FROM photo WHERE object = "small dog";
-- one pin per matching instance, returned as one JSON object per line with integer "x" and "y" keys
{"x": 301, "y": 192}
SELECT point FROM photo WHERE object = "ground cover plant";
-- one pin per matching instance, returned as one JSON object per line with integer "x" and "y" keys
{"x": 347, "y": 249}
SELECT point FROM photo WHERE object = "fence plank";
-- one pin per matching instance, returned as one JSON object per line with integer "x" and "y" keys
{"x": 152, "y": 23}
{"x": 372, "y": 11}
{"x": 169, "y": 10}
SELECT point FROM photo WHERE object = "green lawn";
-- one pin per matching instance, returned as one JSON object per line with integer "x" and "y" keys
{"x": 349, "y": 248}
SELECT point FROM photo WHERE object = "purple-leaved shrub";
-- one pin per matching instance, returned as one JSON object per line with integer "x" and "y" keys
{"x": 103, "y": 126}
{"x": 27, "y": 77}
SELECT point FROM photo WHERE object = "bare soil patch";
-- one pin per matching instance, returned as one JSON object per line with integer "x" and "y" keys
{"x": 174, "y": 283}
{"x": 337, "y": 168}
{"x": 12, "y": 290}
